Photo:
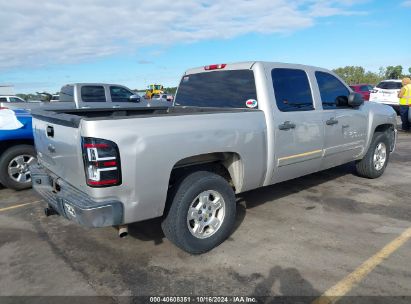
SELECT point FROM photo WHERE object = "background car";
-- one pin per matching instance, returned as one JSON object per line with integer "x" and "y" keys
{"x": 11, "y": 99}
{"x": 55, "y": 98}
{"x": 159, "y": 96}
{"x": 165, "y": 97}
{"x": 170, "y": 97}
{"x": 17, "y": 151}
{"x": 363, "y": 89}
{"x": 386, "y": 92}
{"x": 78, "y": 95}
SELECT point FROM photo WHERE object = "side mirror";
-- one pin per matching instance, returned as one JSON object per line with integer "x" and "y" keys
{"x": 134, "y": 98}
{"x": 355, "y": 100}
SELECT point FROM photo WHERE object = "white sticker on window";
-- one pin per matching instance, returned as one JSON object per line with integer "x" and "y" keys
{"x": 251, "y": 103}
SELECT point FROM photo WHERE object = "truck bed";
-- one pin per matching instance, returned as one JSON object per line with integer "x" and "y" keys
{"x": 72, "y": 117}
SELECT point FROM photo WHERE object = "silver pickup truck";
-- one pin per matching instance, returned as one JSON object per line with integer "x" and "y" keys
{"x": 89, "y": 95}
{"x": 234, "y": 127}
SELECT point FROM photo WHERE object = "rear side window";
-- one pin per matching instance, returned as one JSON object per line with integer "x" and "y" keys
{"x": 365, "y": 88}
{"x": 333, "y": 92}
{"x": 389, "y": 85}
{"x": 14, "y": 99}
{"x": 93, "y": 94}
{"x": 225, "y": 89}
{"x": 67, "y": 94}
{"x": 119, "y": 94}
{"x": 3, "y": 99}
{"x": 292, "y": 90}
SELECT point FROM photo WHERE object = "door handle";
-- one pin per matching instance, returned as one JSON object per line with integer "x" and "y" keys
{"x": 331, "y": 121}
{"x": 345, "y": 126}
{"x": 286, "y": 126}
{"x": 116, "y": 106}
{"x": 50, "y": 131}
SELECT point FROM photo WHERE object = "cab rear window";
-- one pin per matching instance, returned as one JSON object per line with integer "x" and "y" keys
{"x": 228, "y": 89}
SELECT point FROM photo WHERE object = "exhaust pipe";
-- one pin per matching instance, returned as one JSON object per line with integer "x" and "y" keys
{"x": 122, "y": 231}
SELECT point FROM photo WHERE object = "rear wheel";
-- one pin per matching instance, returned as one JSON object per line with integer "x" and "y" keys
{"x": 14, "y": 167}
{"x": 202, "y": 212}
{"x": 375, "y": 161}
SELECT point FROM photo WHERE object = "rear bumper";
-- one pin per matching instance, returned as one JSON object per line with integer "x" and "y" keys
{"x": 74, "y": 204}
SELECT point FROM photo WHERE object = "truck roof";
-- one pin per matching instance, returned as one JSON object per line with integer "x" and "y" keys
{"x": 249, "y": 64}
{"x": 94, "y": 83}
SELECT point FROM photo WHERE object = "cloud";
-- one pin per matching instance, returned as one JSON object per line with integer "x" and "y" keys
{"x": 40, "y": 33}
{"x": 406, "y": 3}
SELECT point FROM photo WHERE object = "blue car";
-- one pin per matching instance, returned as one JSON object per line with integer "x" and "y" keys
{"x": 17, "y": 151}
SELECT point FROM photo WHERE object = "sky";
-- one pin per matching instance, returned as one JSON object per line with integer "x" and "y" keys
{"x": 46, "y": 44}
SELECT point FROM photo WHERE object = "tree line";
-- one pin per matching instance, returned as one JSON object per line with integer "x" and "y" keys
{"x": 37, "y": 97}
{"x": 357, "y": 74}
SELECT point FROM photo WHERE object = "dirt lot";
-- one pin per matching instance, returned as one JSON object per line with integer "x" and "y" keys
{"x": 296, "y": 238}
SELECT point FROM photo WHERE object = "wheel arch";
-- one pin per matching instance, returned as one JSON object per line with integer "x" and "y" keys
{"x": 389, "y": 129}
{"x": 6, "y": 144}
{"x": 227, "y": 164}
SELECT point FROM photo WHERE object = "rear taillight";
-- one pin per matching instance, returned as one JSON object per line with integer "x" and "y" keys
{"x": 101, "y": 162}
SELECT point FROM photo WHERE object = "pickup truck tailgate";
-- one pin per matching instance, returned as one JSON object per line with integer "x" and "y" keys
{"x": 59, "y": 150}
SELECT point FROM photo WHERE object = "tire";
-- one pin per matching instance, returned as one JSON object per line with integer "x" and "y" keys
{"x": 183, "y": 229}
{"x": 367, "y": 167}
{"x": 9, "y": 159}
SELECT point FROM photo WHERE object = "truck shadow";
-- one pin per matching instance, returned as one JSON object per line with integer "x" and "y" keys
{"x": 150, "y": 230}
{"x": 254, "y": 198}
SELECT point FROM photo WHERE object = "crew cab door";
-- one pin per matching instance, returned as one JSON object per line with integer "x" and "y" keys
{"x": 298, "y": 126}
{"x": 344, "y": 127}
